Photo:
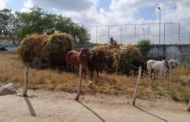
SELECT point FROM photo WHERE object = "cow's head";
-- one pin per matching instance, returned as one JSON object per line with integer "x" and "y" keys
{"x": 176, "y": 63}
{"x": 84, "y": 53}
{"x": 171, "y": 63}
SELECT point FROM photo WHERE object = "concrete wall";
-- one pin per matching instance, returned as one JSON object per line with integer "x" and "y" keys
{"x": 12, "y": 49}
{"x": 179, "y": 52}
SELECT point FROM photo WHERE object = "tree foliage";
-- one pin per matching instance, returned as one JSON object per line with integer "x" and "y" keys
{"x": 9, "y": 23}
{"x": 145, "y": 46}
{"x": 41, "y": 22}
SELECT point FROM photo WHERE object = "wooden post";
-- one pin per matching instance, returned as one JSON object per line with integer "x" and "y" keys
{"x": 188, "y": 109}
{"x": 25, "y": 79}
{"x": 138, "y": 80}
{"x": 80, "y": 80}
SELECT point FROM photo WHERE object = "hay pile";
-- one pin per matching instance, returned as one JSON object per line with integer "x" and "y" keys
{"x": 31, "y": 46}
{"x": 42, "y": 46}
{"x": 59, "y": 42}
{"x": 108, "y": 49}
{"x": 123, "y": 55}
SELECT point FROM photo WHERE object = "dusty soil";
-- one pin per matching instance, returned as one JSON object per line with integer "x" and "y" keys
{"x": 57, "y": 106}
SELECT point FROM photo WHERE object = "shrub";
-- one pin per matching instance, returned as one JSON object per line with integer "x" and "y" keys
{"x": 145, "y": 46}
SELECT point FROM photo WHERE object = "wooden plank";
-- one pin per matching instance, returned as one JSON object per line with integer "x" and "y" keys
{"x": 25, "y": 87}
{"x": 136, "y": 87}
{"x": 80, "y": 80}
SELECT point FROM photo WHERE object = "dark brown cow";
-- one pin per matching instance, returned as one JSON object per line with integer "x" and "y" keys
{"x": 95, "y": 61}
{"x": 58, "y": 59}
{"x": 76, "y": 58}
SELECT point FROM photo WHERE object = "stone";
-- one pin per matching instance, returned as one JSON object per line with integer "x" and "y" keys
{"x": 8, "y": 89}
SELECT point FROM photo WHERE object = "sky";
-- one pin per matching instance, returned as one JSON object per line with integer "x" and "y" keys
{"x": 99, "y": 13}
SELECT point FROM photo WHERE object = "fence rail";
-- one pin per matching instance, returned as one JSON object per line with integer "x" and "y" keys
{"x": 170, "y": 33}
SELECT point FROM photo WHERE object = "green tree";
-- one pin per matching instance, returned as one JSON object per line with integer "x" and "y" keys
{"x": 145, "y": 46}
{"x": 9, "y": 24}
{"x": 41, "y": 22}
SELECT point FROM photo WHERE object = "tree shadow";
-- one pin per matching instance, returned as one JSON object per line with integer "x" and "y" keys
{"x": 92, "y": 111}
{"x": 151, "y": 114}
{"x": 31, "y": 109}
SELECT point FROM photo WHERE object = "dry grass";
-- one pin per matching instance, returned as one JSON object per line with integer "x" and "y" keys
{"x": 177, "y": 86}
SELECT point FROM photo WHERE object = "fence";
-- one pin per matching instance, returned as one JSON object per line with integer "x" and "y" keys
{"x": 170, "y": 33}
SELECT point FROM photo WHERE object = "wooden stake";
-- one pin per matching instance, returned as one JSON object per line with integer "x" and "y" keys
{"x": 80, "y": 80}
{"x": 138, "y": 81}
{"x": 188, "y": 109}
{"x": 25, "y": 79}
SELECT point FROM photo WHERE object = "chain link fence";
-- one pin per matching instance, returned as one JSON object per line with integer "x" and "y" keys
{"x": 166, "y": 33}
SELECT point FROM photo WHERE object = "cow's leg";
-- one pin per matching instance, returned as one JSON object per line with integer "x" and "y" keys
{"x": 160, "y": 72}
{"x": 165, "y": 74}
{"x": 91, "y": 69}
{"x": 149, "y": 72}
{"x": 97, "y": 73}
{"x": 84, "y": 70}
{"x": 152, "y": 71}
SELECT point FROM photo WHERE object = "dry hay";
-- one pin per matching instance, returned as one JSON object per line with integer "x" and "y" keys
{"x": 123, "y": 55}
{"x": 42, "y": 46}
{"x": 59, "y": 42}
{"x": 32, "y": 46}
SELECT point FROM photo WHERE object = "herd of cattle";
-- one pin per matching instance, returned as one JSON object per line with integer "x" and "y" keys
{"x": 94, "y": 60}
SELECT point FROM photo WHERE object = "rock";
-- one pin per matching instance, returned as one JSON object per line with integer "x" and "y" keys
{"x": 8, "y": 89}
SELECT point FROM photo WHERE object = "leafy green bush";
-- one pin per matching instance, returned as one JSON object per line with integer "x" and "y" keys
{"x": 145, "y": 46}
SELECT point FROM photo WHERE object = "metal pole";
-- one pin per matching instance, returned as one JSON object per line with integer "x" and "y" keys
{"x": 135, "y": 35}
{"x": 121, "y": 34}
{"x": 148, "y": 30}
{"x": 164, "y": 34}
{"x": 160, "y": 27}
{"x": 182, "y": 37}
{"x": 179, "y": 33}
{"x": 143, "y": 34}
{"x": 108, "y": 33}
{"x": 159, "y": 31}
{"x": 96, "y": 36}
{"x": 100, "y": 39}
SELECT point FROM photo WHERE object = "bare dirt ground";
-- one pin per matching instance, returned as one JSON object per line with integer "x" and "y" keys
{"x": 57, "y": 106}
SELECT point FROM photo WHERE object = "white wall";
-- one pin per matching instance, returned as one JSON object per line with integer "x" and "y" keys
{"x": 12, "y": 49}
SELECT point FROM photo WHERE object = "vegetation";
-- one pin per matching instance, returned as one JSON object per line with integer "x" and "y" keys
{"x": 42, "y": 46}
{"x": 177, "y": 87}
{"x": 124, "y": 55}
{"x": 20, "y": 24}
{"x": 145, "y": 46}
{"x": 59, "y": 42}
{"x": 32, "y": 46}
{"x": 9, "y": 24}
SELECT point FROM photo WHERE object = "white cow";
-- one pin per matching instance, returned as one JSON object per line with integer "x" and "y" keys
{"x": 161, "y": 66}
{"x": 173, "y": 64}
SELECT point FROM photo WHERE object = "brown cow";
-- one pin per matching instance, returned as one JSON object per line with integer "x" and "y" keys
{"x": 95, "y": 61}
{"x": 76, "y": 58}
